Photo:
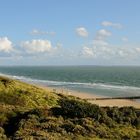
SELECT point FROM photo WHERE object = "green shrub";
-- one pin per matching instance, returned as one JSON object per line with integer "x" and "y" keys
{"x": 2, "y": 135}
{"x": 78, "y": 108}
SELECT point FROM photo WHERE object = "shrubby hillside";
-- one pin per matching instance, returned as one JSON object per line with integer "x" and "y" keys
{"x": 28, "y": 112}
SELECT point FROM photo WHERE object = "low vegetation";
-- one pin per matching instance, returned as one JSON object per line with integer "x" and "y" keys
{"x": 28, "y": 112}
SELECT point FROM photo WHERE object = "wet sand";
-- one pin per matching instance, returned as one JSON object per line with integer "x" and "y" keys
{"x": 108, "y": 102}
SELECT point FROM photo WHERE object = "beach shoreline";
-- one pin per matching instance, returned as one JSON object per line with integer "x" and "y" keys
{"x": 84, "y": 95}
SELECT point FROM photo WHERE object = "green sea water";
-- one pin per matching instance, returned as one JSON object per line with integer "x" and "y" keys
{"x": 100, "y": 80}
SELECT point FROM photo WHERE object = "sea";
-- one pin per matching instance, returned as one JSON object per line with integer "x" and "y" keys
{"x": 110, "y": 81}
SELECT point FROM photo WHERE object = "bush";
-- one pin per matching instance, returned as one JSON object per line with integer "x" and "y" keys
{"x": 78, "y": 108}
{"x": 2, "y": 135}
{"x": 5, "y": 81}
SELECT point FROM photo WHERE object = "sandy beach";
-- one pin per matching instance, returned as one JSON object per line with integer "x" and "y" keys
{"x": 108, "y": 102}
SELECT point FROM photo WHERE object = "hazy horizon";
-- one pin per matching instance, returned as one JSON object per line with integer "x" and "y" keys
{"x": 76, "y": 65}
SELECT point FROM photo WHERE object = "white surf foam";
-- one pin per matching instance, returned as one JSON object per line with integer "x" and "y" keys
{"x": 61, "y": 83}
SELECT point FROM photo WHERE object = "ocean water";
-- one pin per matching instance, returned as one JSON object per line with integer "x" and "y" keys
{"x": 101, "y": 80}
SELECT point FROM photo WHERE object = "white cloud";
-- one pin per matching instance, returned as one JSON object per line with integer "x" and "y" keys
{"x": 124, "y": 39}
{"x": 100, "y": 38}
{"x": 37, "y": 46}
{"x": 5, "y": 45}
{"x": 111, "y": 24}
{"x": 36, "y": 32}
{"x": 99, "y": 47}
{"x": 39, "y": 32}
{"x": 102, "y": 34}
{"x": 127, "y": 53}
{"x": 104, "y": 52}
{"x": 59, "y": 45}
{"x": 137, "y": 50}
{"x": 81, "y": 31}
{"x": 87, "y": 52}
{"x": 107, "y": 50}
{"x": 100, "y": 43}
{"x": 121, "y": 53}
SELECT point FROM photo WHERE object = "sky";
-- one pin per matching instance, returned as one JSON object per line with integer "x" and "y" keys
{"x": 69, "y": 32}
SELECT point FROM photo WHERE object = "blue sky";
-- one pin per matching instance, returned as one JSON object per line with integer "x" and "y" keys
{"x": 74, "y": 32}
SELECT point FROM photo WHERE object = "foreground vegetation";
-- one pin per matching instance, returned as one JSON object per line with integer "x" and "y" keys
{"x": 31, "y": 113}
